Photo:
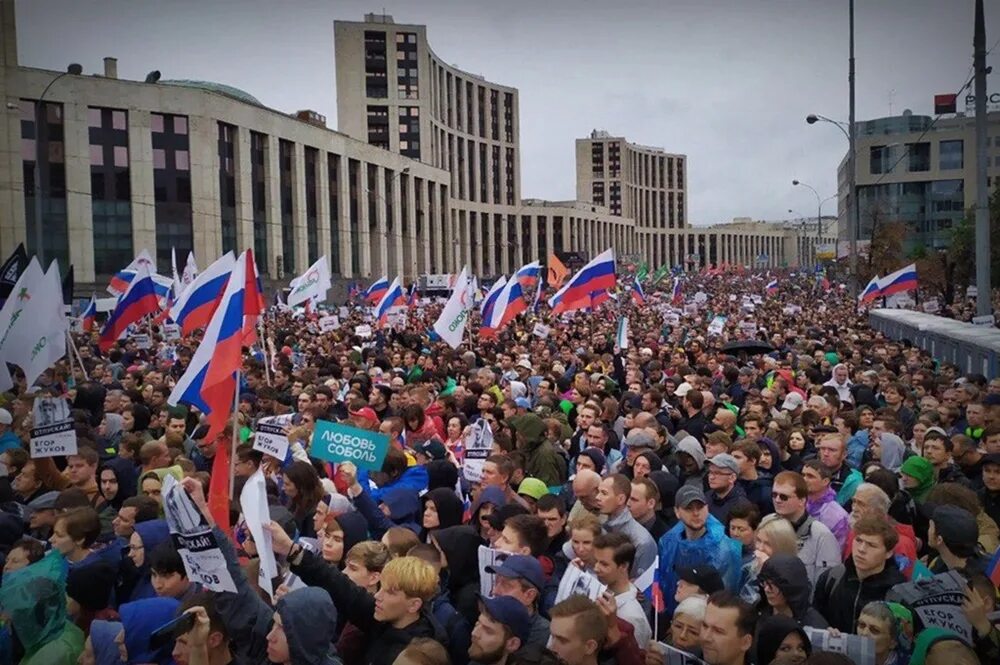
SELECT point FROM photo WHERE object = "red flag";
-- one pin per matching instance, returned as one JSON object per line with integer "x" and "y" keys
{"x": 218, "y": 487}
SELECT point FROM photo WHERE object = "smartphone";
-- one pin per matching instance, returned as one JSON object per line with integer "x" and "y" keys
{"x": 171, "y": 630}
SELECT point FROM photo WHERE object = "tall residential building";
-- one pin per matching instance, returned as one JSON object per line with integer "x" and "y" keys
{"x": 919, "y": 171}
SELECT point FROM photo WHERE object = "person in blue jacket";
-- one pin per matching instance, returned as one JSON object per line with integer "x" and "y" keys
{"x": 395, "y": 474}
{"x": 696, "y": 539}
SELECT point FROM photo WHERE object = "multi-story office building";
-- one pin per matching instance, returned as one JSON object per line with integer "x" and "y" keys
{"x": 423, "y": 176}
{"x": 919, "y": 171}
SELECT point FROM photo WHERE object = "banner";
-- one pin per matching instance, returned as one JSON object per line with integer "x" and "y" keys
{"x": 717, "y": 325}
{"x": 33, "y": 324}
{"x": 936, "y": 601}
{"x": 194, "y": 539}
{"x": 334, "y": 442}
{"x": 313, "y": 284}
{"x": 271, "y": 436}
{"x": 578, "y": 582}
{"x": 861, "y": 650}
{"x": 541, "y": 331}
{"x": 329, "y": 323}
{"x": 660, "y": 273}
{"x": 11, "y": 271}
{"x": 52, "y": 432}
{"x": 489, "y": 558}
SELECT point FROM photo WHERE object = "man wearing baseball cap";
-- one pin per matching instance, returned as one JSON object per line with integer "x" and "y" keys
{"x": 520, "y": 577}
{"x": 502, "y": 629}
{"x": 698, "y": 539}
{"x": 953, "y": 533}
{"x": 724, "y": 491}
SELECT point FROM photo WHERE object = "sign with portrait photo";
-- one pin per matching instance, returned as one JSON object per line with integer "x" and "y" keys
{"x": 52, "y": 432}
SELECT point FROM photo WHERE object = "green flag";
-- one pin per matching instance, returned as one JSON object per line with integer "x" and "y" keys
{"x": 660, "y": 273}
{"x": 642, "y": 273}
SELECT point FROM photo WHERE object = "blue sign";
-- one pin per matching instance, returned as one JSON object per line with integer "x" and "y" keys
{"x": 334, "y": 442}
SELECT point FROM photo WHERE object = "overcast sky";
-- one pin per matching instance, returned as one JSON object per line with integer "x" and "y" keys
{"x": 726, "y": 82}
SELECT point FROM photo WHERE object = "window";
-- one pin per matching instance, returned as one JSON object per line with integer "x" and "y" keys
{"x": 919, "y": 157}
{"x": 951, "y": 155}
{"x": 880, "y": 159}
{"x": 110, "y": 189}
{"x": 171, "y": 187}
{"x": 406, "y": 66}
{"x": 409, "y": 131}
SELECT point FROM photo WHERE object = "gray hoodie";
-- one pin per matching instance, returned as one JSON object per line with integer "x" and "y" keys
{"x": 893, "y": 449}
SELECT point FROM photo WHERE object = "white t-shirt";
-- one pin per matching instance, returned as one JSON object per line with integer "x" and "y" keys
{"x": 631, "y": 611}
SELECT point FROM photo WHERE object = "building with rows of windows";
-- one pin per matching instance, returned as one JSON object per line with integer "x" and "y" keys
{"x": 422, "y": 177}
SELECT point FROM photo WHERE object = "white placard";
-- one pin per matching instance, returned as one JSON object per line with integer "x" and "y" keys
{"x": 171, "y": 332}
{"x": 757, "y": 300}
{"x": 492, "y": 558}
{"x": 860, "y": 649}
{"x": 701, "y": 297}
{"x": 674, "y": 656}
{"x": 253, "y": 503}
{"x": 579, "y": 582}
{"x": 363, "y": 330}
{"x": 985, "y": 320}
{"x": 343, "y": 312}
{"x": 937, "y": 601}
{"x": 732, "y": 297}
{"x": 541, "y": 331}
{"x": 717, "y": 325}
{"x": 931, "y": 305}
{"x": 478, "y": 441}
{"x": 396, "y": 318}
{"x": 52, "y": 432}
{"x": 142, "y": 341}
{"x": 194, "y": 540}
{"x": 329, "y": 323}
{"x": 691, "y": 309}
{"x": 748, "y": 328}
{"x": 271, "y": 437}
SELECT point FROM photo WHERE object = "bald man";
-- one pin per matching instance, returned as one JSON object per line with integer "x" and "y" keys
{"x": 585, "y": 484}
{"x": 726, "y": 421}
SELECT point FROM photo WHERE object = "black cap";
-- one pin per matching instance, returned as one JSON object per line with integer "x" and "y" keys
{"x": 704, "y": 577}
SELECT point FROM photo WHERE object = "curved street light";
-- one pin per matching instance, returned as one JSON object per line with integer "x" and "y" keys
{"x": 819, "y": 206}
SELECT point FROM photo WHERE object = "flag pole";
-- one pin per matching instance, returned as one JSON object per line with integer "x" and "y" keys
{"x": 79, "y": 358}
{"x": 236, "y": 437}
{"x": 263, "y": 346}
{"x": 69, "y": 354}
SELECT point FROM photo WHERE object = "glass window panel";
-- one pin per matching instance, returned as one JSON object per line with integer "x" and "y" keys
{"x": 156, "y": 123}
{"x": 118, "y": 120}
{"x": 53, "y": 113}
{"x": 181, "y": 160}
{"x": 57, "y": 153}
{"x": 159, "y": 158}
{"x": 97, "y": 155}
{"x": 28, "y": 150}
{"x": 93, "y": 117}
{"x": 121, "y": 156}
{"x": 180, "y": 124}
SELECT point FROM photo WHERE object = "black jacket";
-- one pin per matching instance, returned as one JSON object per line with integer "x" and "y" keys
{"x": 840, "y": 595}
{"x": 788, "y": 573}
{"x": 382, "y": 642}
{"x": 991, "y": 503}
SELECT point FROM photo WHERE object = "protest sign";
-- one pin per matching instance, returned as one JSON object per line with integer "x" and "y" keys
{"x": 541, "y": 331}
{"x": 194, "y": 539}
{"x": 931, "y": 305}
{"x": 343, "y": 312}
{"x": 171, "y": 332}
{"x": 334, "y": 442}
{"x": 142, "y": 341}
{"x": 478, "y": 440}
{"x": 672, "y": 319}
{"x": 717, "y": 325}
{"x": 701, "y": 297}
{"x": 329, "y": 323}
{"x": 364, "y": 330}
{"x": 52, "y": 432}
{"x": 489, "y": 558}
{"x": 253, "y": 502}
{"x": 748, "y": 328}
{"x": 397, "y": 318}
{"x": 936, "y": 601}
{"x": 860, "y": 649}
{"x": 576, "y": 581}
{"x": 271, "y": 437}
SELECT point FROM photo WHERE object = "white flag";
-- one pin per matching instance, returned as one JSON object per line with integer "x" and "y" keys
{"x": 41, "y": 341}
{"x": 451, "y": 324}
{"x": 313, "y": 284}
{"x": 621, "y": 339}
{"x": 190, "y": 270}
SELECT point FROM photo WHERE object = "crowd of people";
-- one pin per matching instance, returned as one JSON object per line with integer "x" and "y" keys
{"x": 732, "y": 502}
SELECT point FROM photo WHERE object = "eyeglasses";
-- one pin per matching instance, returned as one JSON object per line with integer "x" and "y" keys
{"x": 780, "y": 496}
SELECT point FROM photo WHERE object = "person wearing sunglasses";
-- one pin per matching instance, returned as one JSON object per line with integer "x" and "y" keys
{"x": 818, "y": 547}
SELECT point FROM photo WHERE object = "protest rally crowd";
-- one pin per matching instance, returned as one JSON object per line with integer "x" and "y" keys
{"x": 728, "y": 467}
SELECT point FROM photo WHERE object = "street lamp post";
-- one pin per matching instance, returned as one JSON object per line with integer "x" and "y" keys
{"x": 74, "y": 70}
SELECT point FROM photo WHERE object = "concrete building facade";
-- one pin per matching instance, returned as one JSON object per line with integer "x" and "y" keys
{"x": 917, "y": 170}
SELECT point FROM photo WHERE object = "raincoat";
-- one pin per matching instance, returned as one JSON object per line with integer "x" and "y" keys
{"x": 714, "y": 548}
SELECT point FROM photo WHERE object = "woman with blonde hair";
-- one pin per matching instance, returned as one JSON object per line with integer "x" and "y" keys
{"x": 775, "y": 535}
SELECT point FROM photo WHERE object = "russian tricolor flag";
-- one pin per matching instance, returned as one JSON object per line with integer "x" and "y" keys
{"x": 871, "y": 291}
{"x": 597, "y": 275}
{"x": 89, "y": 315}
{"x": 486, "y": 307}
{"x": 528, "y": 275}
{"x": 195, "y": 307}
{"x": 904, "y": 279}
{"x": 209, "y": 384}
{"x": 509, "y": 303}
{"x": 138, "y": 301}
{"x": 376, "y": 291}
{"x": 121, "y": 279}
{"x": 772, "y": 287}
{"x": 393, "y": 296}
{"x": 411, "y": 302}
{"x": 678, "y": 297}
{"x": 638, "y": 295}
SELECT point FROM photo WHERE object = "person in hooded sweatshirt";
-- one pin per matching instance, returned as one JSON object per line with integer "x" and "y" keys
{"x": 140, "y": 619}
{"x": 781, "y": 640}
{"x": 400, "y": 507}
{"x": 786, "y": 591}
{"x": 459, "y": 546}
{"x": 116, "y": 481}
{"x": 691, "y": 462}
{"x": 100, "y": 647}
{"x": 441, "y": 509}
{"x": 297, "y": 631}
{"x": 456, "y": 626}
{"x": 135, "y": 582}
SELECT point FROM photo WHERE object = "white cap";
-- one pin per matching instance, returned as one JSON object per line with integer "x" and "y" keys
{"x": 792, "y": 402}
{"x": 683, "y": 389}
{"x": 5, "y": 417}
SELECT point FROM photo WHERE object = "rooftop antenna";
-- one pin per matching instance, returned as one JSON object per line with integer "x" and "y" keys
{"x": 892, "y": 95}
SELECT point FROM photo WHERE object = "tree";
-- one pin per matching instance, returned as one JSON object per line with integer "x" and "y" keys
{"x": 961, "y": 252}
